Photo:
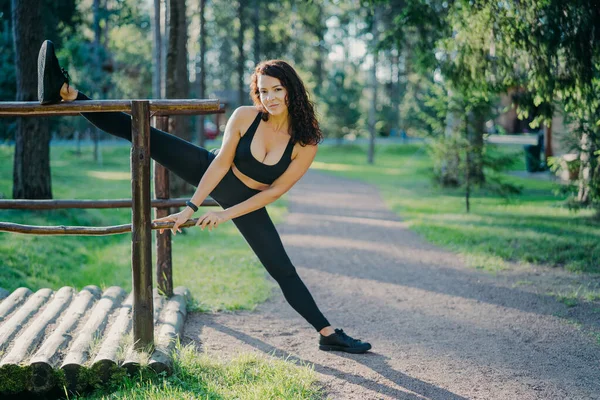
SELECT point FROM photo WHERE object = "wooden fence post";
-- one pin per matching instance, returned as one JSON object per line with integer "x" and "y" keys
{"x": 164, "y": 264}
{"x": 141, "y": 239}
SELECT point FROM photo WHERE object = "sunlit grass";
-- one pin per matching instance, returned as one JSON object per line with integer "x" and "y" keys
{"x": 205, "y": 376}
{"x": 110, "y": 176}
{"x": 534, "y": 227}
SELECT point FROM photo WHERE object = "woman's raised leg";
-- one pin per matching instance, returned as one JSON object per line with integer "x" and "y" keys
{"x": 177, "y": 155}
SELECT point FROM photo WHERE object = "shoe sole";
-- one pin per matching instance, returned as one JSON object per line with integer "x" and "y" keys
{"x": 42, "y": 57}
{"x": 41, "y": 68}
{"x": 327, "y": 347}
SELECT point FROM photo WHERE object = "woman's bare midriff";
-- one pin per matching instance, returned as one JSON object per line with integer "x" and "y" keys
{"x": 251, "y": 183}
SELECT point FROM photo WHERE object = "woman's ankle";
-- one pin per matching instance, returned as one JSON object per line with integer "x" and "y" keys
{"x": 68, "y": 93}
{"x": 328, "y": 330}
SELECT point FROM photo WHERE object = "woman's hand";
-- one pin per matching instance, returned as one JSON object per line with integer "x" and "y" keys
{"x": 212, "y": 219}
{"x": 179, "y": 219}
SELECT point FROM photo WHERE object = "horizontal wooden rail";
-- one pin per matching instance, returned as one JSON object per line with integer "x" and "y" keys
{"x": 157, "y": 107}
{"x": 84, "y": 230}
{"x": 153, "y": 113}
{"x": 18, "y": 204}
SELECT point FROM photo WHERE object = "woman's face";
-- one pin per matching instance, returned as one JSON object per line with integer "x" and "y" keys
{"x": 273, "y": 94}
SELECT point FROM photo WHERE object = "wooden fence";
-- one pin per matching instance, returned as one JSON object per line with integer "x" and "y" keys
{"x": 140, "y": 203}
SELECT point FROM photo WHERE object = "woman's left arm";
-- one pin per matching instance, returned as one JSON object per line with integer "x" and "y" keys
{"x": 292, "y": 174}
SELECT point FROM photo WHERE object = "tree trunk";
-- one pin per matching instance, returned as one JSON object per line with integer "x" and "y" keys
{"x": 475, "y": 137}
{"x": 585, "y": 169}
{"x": 177, "y": 73}
{"x": 395, "y": 90}
{"x": 98, "y": 71}
{"x": 241, "y": 57}
{"x": 105, "y": 30}
{"x": 156, "y": 52}
{"x": 295, "y": 49}
{"x": 320, "y": 53}
{"x": 256, "y": 23}
{"x": 31, "y": 170}
{"x": 451, "y": 120}
{"x": 468, "y": 168}
{"x": 97, "y": 35}
{"x": 201, "y": 77}
{"x": 470, "y": 156}
{"x": 373, "y": 108}
{"x": 165, "y": 47}
{"x": 404, "y": 83}
{"x": 177, "y": 85}
{"x": 548, "y": 142}
{"x": 449, "y": 174}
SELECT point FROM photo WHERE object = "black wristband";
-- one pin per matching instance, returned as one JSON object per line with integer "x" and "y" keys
{"x": 191, "y": 205}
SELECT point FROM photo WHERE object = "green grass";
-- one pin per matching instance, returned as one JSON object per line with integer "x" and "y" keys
{"x": 204, "y": 376}
{"x": 572, "y": 296}
{"x": 218, "y": 267}
{"x": 533, "y": 227}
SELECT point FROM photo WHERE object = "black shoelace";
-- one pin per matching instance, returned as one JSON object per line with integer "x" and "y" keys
{"x": 345, "y": 337}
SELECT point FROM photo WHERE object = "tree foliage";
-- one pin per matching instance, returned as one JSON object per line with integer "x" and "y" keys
{"x": 547, "y": 50}
{"x": 441, "y": 64}
{"x": 551, "y": 49}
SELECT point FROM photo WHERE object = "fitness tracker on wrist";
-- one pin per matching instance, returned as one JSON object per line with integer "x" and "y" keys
{"x": 191, "y": 205}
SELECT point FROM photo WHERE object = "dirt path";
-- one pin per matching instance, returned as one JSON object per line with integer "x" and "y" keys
{"x": 439, "y": 330}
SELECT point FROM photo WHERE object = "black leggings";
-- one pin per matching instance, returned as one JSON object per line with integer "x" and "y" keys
{"x": 190, "y": 162}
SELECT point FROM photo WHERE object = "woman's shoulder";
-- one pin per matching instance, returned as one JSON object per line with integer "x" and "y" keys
{"x": 245, "y": 112}
{"x": 242, "y": 117}
{"x": 306, "y": 150}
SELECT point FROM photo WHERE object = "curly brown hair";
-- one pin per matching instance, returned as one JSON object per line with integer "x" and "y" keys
{"x": 305, "y": 127}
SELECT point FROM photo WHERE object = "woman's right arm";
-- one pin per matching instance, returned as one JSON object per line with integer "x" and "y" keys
{"x": 217, "y": 168}
{"x": 221, "y": 164}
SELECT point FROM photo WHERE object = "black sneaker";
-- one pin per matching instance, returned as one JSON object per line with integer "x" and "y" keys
{"x": 50, "y": 75}
{"x": 339, "y": 341}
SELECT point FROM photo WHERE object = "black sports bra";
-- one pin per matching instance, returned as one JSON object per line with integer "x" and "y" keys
{"x": 251, "y": 167}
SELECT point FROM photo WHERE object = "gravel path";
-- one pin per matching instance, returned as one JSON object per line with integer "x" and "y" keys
{"x": 439, "y": 330}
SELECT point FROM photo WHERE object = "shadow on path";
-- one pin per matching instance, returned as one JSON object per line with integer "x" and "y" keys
{"x": 377, "y": 362}
{"x": 327, "y": 221}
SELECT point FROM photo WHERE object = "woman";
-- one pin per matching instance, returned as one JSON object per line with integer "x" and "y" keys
{"x": 266, "y": 149}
